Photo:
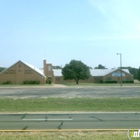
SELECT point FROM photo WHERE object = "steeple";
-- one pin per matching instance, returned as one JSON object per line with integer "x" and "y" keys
{"x": 45, "y": 66}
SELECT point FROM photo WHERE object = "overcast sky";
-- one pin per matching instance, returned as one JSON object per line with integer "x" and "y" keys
{"x": 92, "y": 31}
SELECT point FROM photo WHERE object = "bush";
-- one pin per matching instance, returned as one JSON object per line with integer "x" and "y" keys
{"x": 31, "y": 82}
{"x": 7, "y": 83}
{"x": 111, "y": 82}
{"x": 49, "y": 81}
{"x": 25, "y": 82}
{"x": 132, "y": 81}
{"x": 37, "y": 82}
{"x": 101, "y": 81}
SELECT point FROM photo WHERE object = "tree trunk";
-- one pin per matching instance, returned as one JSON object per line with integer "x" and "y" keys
{"x": 77, "y": 81}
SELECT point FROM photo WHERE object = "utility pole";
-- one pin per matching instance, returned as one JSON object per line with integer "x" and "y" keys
{"x": 120, "y": 65}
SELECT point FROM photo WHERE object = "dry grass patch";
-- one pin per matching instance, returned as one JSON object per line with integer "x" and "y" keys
{"x": 64, "y": 136}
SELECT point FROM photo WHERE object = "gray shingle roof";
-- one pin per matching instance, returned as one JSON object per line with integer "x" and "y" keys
{"x": 94, "y": 72}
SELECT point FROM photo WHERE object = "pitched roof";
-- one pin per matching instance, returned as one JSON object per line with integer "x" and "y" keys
{"x": 29, "y": 65}
{"x": 94, "y": 72}
{"x": 104, "y": 72}
{"x": 99, "y": 72}
{"x": 34, "y": 68}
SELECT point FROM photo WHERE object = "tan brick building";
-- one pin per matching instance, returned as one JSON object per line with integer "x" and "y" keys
{"x": 99, "y": 75}
{"x": 48, "y": 71}
{"x": 21, "y": 71}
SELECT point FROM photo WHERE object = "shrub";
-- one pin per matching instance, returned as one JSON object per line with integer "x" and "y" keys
{"x": 31, "y": 82}
{"x": 25, "y": 82}
{"x": 101, "y": 81}
{"x": 111, "y": 82}
{"x": 131, "y": 81}
{"x": 49, "y": 81}
{"x": 7, "y": 83}
{"x": 37, "y": 82}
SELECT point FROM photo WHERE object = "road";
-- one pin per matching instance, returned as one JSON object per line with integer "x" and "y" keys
{"x": 70, "y": 92}
{"x": 69, "y": 121}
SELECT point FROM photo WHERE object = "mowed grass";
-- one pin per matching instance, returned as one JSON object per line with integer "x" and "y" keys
{"x": 72, "y": 104}
{"x": 100, "y": 84}
{"x": 65, "y": 136}
{"x": 62, "y": 104}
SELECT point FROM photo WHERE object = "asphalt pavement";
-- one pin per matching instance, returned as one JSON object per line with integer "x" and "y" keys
{"x": 62, "y": 121}
{"x": 69, "y": 92}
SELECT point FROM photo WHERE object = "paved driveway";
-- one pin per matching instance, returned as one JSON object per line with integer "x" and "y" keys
{"x": 69, "y": 92}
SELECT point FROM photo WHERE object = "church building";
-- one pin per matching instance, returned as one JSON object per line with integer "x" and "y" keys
{"x": 20, "y": 72}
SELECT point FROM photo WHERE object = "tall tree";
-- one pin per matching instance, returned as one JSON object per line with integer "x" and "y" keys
{"x": 2, "y": 68}
{"x": 76, "y": 70}
{"x": 138, "y": 74}
{"x": 100, "y": 67}
{"x": 133, "y": 71}
{"x": 57, "y": 67}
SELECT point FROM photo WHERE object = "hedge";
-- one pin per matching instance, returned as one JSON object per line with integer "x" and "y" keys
{"x": 31, "y": 82}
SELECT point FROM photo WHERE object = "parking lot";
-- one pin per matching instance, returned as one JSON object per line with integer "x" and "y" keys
{"x": 69, "y": 92}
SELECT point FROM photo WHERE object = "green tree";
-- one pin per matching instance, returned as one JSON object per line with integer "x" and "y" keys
{"x": 100, "y": 67}
{"x": 57, "y": 67}
{"x": 76, "y": 70}
{"x": 133, "y": 71}
{"x": 138, "y": 74}
{"x": 2, "y": 68}
{"x": 90, "y": 68}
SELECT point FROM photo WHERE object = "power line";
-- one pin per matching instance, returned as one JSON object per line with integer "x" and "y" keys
{"x": 125, "y": 61}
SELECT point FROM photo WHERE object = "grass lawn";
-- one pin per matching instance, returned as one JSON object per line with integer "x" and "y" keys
{"x": 22, "y": 85}
{"x": 62, "y": 104}
{"x": 72, "y": 104}
{"x": 73, "y": 84}
{"x": 100, "y": 84}
{"x": 65, "y": 136}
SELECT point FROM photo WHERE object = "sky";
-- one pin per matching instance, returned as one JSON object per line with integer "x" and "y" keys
{"x": 92, "y": 31}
